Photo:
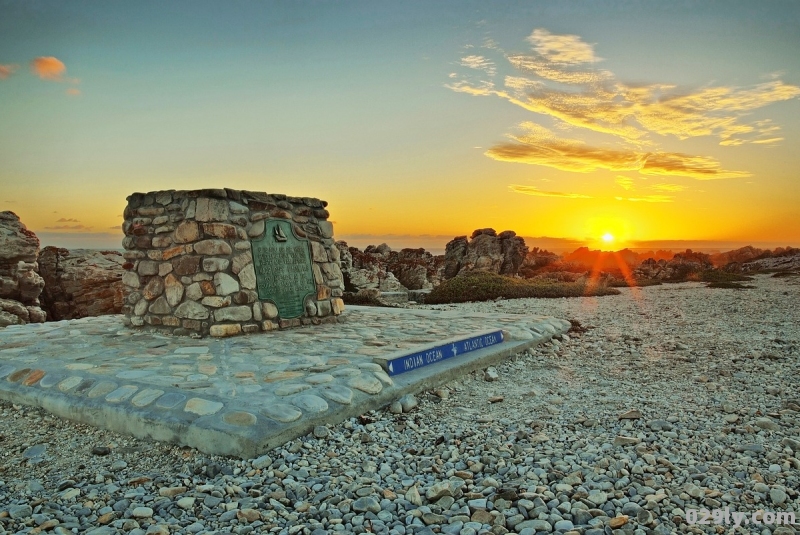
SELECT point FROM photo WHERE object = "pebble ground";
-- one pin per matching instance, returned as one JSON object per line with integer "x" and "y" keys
{"x": 673, "y": 398}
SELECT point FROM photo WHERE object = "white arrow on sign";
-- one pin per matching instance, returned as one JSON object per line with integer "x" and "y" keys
{"x": 391, "y": 369}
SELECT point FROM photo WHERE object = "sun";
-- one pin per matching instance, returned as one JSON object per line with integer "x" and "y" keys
{"x": 607, "y": 237}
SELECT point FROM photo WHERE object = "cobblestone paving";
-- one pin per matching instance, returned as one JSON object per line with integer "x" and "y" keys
{"x": 246, "y": 386}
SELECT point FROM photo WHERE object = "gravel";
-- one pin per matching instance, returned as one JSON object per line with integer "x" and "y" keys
{"x": 662, "y": 399}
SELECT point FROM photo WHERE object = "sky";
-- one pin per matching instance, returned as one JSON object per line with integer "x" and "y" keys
{"x": 642, "y": 122}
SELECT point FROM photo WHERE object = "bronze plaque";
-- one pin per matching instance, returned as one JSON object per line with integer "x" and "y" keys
{"x": 282, "y": 262}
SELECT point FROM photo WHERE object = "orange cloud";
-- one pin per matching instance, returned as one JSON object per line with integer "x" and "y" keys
{"x": 7, "y": 70}
{"x": 73, "y": 92}
{"x": 539, "y": 146}
{"x": 697, "y": 167}
{"x": 48, "y": 68}
{"x": 531, "y": 190}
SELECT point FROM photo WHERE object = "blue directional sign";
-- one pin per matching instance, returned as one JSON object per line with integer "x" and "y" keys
{"x": 425, "y": 357}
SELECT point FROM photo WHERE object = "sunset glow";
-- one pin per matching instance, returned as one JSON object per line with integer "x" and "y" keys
{"x": 595, "y": 124}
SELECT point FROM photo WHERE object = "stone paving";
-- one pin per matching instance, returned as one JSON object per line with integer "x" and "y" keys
{"x": 242, "y": 395}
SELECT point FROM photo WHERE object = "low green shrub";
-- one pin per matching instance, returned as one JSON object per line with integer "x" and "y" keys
{"x": 484, "y": 286}
{"x": 633, "y": 282}
{"x": 722, "y": 276}
{"x": 729, "y": 285}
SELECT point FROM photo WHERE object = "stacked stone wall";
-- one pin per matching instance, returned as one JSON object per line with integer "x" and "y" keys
{"x": 189, "y": 263}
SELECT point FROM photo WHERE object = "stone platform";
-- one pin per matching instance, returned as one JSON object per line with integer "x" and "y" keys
{"x": 243, "y": 396}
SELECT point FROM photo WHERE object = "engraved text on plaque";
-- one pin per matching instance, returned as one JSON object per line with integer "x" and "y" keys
{"x": 282, "y": 263}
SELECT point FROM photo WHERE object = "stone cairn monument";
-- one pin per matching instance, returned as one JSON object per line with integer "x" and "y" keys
{"x": 221, "y": 262}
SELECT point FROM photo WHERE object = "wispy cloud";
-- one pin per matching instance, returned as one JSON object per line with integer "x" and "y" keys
{"x": 559, "y": 79}
{"x": 68, "y": 227}
{"x": 539, "y": 146}
{"x": 73, "y": 92}
{"x": 49, "y": 68}
{"x": 479, "y": 63}
{"x": 569, "y": 49}
{"x": 624, "y": 182}
{"x": 647, "y": 198}
{"x": 65, "y": 220}
{"x": 7, "y": 70}
{"x": 532, "y": 190}
{"x": 490, "y": 43}
{"x": 521, "y": 84}
{"x": 669, "y": 187}
{"x": 556, "y": 72}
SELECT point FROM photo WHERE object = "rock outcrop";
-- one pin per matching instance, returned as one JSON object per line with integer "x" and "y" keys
{"x": 535, "y": 260}
{"x": 787, "y": 260}
{"x": 20, "y": 284}
{"x": 680, "y": 267}
{"x": 416, "y": 269}
{"x": 81, "y": 283}
{"x": 486, "y": 250}
{"x": 381, "y": 268}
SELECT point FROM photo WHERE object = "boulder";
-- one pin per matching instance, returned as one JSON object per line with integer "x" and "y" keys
{"x": 486, "y": 250}
{"x": 455, "y": 251}
{"x": 416, "y": 269}
{"x": 20, "y": 284}
{"x": 81, "y": 283}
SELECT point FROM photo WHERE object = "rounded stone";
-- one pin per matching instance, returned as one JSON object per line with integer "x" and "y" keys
{"x": 291, "y": 389}
{"x": 366, "y": 383}
{"x": 212, "y": 247}
{"x": 338, "y": 393}
{"x": 191, "y": 310}
{"x": 173, "y": 290}
{"x": 160, "y": 306}
{"x": 310, "y": 403}
{"x": 239, "y": 418}
{"x": 153, "y": 288}
{"x": 269, "y": 309}
{"x": 33, "y": 377}
{"x": 272, "y": 377}
{"x": 233, "y": 313}
{"x": 202, "y": 407}
{"x": 224, "y": 284}
{"x": 186, "y": 232}
{"x": 247, "y": 277}
{"x": 282, "y": 412}
{"x": 142, "y": 512}
{"x": 319, "y": 378}
{"x": 367, "y": 504}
